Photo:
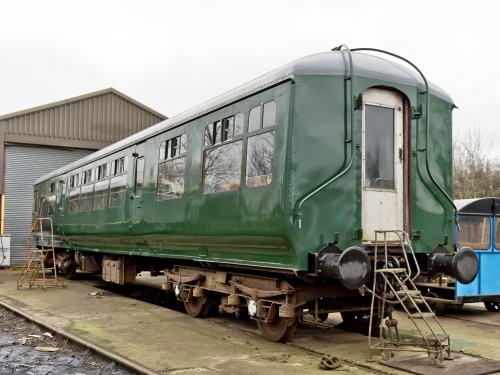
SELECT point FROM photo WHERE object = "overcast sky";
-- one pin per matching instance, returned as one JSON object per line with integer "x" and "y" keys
{"x": 173, "y": 55}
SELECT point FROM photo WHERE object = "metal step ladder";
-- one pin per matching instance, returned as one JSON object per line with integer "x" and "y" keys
{"x": 35, "y": 271}
{"x": 393, "y": 284}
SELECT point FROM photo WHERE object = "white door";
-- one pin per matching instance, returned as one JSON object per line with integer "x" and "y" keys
{"x": 382, "y": 172}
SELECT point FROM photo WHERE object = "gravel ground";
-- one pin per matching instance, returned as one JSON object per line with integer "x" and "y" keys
{"x": 24, "y": 350}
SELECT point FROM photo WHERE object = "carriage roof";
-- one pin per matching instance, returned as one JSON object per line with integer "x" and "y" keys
{"x": 482, "y": 206}
{"x": 325, "y": 63}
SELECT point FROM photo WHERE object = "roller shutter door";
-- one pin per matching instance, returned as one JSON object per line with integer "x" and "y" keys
{"x": 23, "y": 166}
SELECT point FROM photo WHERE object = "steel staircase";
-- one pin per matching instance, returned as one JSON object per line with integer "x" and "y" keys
{"x": 35, "y": 271}
{"x": 393, "y": 285}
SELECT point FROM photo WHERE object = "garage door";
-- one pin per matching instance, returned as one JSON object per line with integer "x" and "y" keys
{"x": 23, "y": 166}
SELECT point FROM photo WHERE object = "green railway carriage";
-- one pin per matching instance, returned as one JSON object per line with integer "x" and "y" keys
{"x": 269, "y": 196}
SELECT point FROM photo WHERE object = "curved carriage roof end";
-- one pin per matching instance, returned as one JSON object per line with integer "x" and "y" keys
{"x": 325, "y": 63}
{"x": 482, "y": 206}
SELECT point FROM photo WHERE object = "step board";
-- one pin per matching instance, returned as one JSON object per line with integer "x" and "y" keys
{"x": 392, "y": 270}
{"x": 437, "y": 338}
{"x": 411, "y": 293}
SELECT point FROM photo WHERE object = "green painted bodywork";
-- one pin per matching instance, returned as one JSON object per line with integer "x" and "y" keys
{"x": 258, "y": 226}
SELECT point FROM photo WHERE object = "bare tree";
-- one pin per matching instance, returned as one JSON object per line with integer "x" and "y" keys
{"x": 476, "y": 172}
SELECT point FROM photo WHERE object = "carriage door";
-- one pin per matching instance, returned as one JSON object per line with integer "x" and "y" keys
{"x": 137, "y": 195}
{"x": 382, "y": 171}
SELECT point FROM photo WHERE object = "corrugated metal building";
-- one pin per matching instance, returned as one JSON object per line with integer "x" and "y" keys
{"x": 39, "y": 140}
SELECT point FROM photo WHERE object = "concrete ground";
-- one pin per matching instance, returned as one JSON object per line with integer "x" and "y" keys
{"x": 167, "y": 341}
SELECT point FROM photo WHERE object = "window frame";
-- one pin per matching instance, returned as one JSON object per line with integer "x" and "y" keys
{"x": 178, "y": 143}
{"x": 479, "y": 246}
{"x": 211, "y": 139}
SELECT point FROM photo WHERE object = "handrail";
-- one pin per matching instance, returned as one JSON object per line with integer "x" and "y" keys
{"x": 427, "y": 127}
{"x": 343, "y": 168}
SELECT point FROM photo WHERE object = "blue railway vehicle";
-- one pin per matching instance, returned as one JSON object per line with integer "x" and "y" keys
{"x": 478, "y": 229}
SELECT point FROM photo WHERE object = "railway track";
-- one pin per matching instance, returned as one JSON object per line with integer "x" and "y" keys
{"x": 92, "y": 349}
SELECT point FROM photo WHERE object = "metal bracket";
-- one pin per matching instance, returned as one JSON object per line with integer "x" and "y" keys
{"x": 357, "y": 234}
{"x": 417, "y": 112}
{"x": 358, "y": 102}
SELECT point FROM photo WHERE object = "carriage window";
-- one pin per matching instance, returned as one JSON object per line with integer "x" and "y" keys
{"x": 45, "y": 206}
{"x": 173, "y": 147}
{"x": 475, "y": 232}
{"x": 227, "y": 128}
{"x": 100, "y": 195}
{"x": 183, "y": 144}
{"x": 74, "y": 200}
{"x": 222, "y": 168}
{"x": 139, "y": 177}
{"x": 119, "y": 166}
{"x": 497, "y": 232}
{"x": 238, "y": 124}
{"x": 41, "y": 213}
{"x": 269, "y": 117}
{"x": 170, "y": 182}
{"x": 102, "y": 172}
{"x": 74, "y": 181}
{"x": 87, "y": 177}
{"x": 86, "y": 198}
{"x": 74, "y": 193}
{"x": 53, "y": 187}
{"x": 209, "y": 134}
{"x": 217, "y": 132}
{"x": 163, "y": 147}
{"x": 117, "y": 190}
{"x": 260, "y": 150}
{"x": 254, "y": 119}
{"x": 51, "y": 205}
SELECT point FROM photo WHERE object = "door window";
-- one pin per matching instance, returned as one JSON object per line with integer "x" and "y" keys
{"x": 139, "y": 177}
{"x": 379, "y": 147}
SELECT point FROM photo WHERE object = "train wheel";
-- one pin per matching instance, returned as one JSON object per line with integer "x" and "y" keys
{"x": 197, "y": 307}
{"x": 492, "y": 306}
{"x": 280, "y": 329}
{"x": 437, "y": 308}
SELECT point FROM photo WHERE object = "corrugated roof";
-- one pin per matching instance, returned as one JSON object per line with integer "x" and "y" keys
{"x": 94, "y": 120}
{"x": 81, "y": 98}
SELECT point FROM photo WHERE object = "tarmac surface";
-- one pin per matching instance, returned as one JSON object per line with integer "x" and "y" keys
{"x": 164, "y": 341}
